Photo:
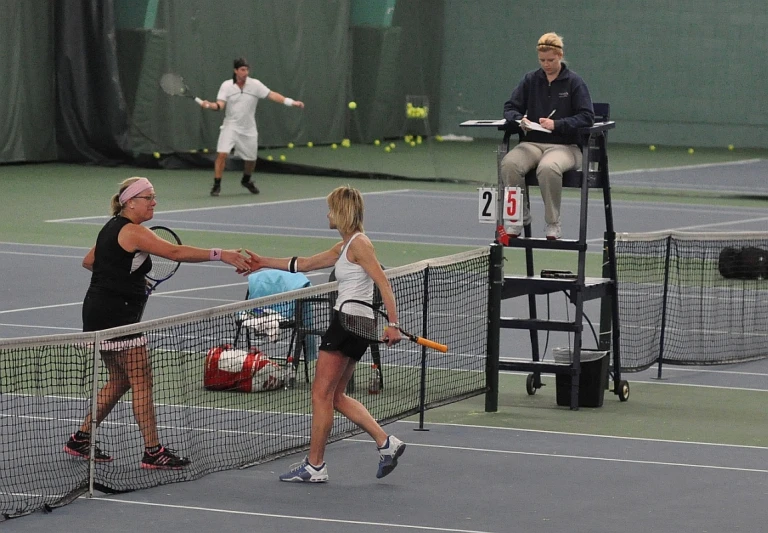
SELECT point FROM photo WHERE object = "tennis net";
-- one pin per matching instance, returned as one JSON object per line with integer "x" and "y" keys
{"x": 692, "y": 298}
{"x": 47, "y": 383}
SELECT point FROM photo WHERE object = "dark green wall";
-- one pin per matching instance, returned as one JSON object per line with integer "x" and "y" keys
{"x": 27, "y": 83}
{"x": 687, "y": 72}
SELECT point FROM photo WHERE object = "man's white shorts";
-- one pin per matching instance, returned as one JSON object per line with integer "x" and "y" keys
{"x": 246, "y": 146}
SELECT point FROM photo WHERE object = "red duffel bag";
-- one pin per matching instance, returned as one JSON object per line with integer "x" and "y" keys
{"x": 234, "y": 369}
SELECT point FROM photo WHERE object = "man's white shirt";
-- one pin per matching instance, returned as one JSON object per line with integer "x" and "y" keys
{"x": 240, "y": 111}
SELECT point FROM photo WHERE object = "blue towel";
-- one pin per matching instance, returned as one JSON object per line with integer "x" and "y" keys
{"x": 267, "y": 282}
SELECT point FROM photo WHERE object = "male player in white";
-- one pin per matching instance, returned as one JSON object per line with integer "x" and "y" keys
{"x": 238, "y": 98}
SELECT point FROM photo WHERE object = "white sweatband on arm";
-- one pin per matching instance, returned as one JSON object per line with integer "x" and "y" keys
{"x": 214, "y": 254}
{"x": 199, "y": 101}
{"x": 288, "y": 102}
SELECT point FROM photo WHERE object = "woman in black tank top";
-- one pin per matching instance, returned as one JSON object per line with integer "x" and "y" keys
{"x": 116, "y": 297}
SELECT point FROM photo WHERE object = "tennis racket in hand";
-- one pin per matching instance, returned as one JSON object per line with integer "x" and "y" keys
{"x": 369, "y": 321}
{"x": 162, "y": 268}
{"x": 174, "y": 85}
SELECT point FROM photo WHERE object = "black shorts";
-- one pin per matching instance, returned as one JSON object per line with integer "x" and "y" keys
{"x": 337, "y": 339}
{"x": 105, "y": 310}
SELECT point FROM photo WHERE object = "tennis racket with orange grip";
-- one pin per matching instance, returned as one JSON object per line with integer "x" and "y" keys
{"x": 369, "y": 321}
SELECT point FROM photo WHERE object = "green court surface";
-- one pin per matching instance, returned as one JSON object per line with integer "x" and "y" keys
{"x": 659, "y": 410}
{"x": 36, "y": 193}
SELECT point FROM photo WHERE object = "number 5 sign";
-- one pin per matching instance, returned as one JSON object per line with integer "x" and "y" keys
{"x": 513, "y": 204}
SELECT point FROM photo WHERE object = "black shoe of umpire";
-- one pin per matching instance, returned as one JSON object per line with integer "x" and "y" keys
{"x": 250, "y": 186}
{"x": 216, "y": 189}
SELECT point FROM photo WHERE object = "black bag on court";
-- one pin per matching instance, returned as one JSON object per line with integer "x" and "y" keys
{"x": 749, "y": 262}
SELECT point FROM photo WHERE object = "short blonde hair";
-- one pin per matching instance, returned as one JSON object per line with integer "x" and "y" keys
{"x": 346, "y": 207}
{"x": 550, "y": 42}
{"x": 115, "y": 202}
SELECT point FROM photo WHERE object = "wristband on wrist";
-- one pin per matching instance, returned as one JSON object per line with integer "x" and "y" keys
{"x": 393, "y": 325}
{"x": 292, "y": 264}
{"x": 288, "y": 102}
{"x": 214, "y": 254}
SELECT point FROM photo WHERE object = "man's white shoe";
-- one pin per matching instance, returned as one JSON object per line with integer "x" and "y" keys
{"x": 554, "y": 231}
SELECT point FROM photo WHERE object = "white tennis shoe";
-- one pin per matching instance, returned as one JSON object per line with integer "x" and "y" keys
{"x": 305, "y": 472}
{"x": 389, "y": 454}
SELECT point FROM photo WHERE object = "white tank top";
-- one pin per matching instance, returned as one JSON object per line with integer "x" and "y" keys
{"x": 354, "y": 282}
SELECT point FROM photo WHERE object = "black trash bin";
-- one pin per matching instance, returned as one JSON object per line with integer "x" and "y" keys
{"x": 593, "y": 380}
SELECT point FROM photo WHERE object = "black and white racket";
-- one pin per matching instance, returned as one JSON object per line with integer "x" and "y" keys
{"x": 174, "y": 85}
{"x": 162, "y": 268}
{"x": 369, "y": 321}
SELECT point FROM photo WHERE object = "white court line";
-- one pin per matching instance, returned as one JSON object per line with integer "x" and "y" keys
{"x": 36, "y": 254}
{"x": 582, "y": 457}
{"x": 571, "y": 434}
{"x": 39, "y": 327}
{"x": 161, "y": 294}
{"x": 290, "y": 517}
{"x": 212, "y": 208}
{"x": 669, "y": 368}
{"x": 686, "y": 167}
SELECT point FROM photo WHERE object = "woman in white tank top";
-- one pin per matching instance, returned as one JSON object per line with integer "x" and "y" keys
{"x": 357, "y": 270}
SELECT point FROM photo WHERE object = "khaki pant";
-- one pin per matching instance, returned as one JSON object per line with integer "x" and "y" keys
{"x": 551, "y": 161}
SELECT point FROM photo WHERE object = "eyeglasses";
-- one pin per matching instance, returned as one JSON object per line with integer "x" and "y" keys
{"x": 150, "y": 197}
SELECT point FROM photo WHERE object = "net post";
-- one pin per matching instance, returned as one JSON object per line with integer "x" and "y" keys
{"x": 496, "y": 280}
{"x": 664, "y": 304}
{"x": 94, "y": 411}
{"x": 423, "y": 380}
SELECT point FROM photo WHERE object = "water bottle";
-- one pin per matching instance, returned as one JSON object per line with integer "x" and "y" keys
{"x": 374, "y": 386}
{"x": 594, "y": 155}
{"x": 290, "y": 373}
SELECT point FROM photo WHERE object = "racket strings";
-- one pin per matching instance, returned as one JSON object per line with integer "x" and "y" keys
{"x": 173, "y": 84}
{"x": 163, "y": 268}
{"x": 363, "y": 321}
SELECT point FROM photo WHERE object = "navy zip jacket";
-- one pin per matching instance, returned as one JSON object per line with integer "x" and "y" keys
{"x": 567, "y": 95}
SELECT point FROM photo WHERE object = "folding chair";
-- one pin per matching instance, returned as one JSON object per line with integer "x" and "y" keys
{"x": 296, "y": 316}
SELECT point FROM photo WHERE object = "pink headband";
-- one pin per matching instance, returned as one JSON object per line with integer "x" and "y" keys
{"x": 141, "y": 184}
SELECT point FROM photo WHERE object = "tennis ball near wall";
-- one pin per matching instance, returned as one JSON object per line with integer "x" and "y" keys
{"x": 270, "y": 158}
{"x": 652, "y": 148}
{"x": 205, "y": 150}
{"x": 290, "y": 145}
{"x": 690, "y": 150}
{"x": 334, "y": 146}
{"x": 282, "y": 157}
{"x": 387, "y": 149}
{"x": 730, "y": 147}
{"x": 157, "y": 155}
{"x": 392, "y": 146}
{"x": 413, "y": 143}
{"x": 310, "y": 144}
{"x": 377, "y": 142}
{"x": 352, "y": 105}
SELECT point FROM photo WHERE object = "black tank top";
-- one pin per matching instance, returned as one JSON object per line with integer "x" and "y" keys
{"x": 115, "y": 270}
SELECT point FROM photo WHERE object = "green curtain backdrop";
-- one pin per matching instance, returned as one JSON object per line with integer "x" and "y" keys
{"x": 680, "y": 73}
{"x": 299, "y": 48}
{"x": 27, "y": 86}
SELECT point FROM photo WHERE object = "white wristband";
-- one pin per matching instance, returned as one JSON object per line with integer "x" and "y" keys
{"x": 199, "y": 101}
{"x": 288, "y": 102}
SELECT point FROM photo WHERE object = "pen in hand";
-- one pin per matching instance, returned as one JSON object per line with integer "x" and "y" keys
{"x": 552, "y": 113}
